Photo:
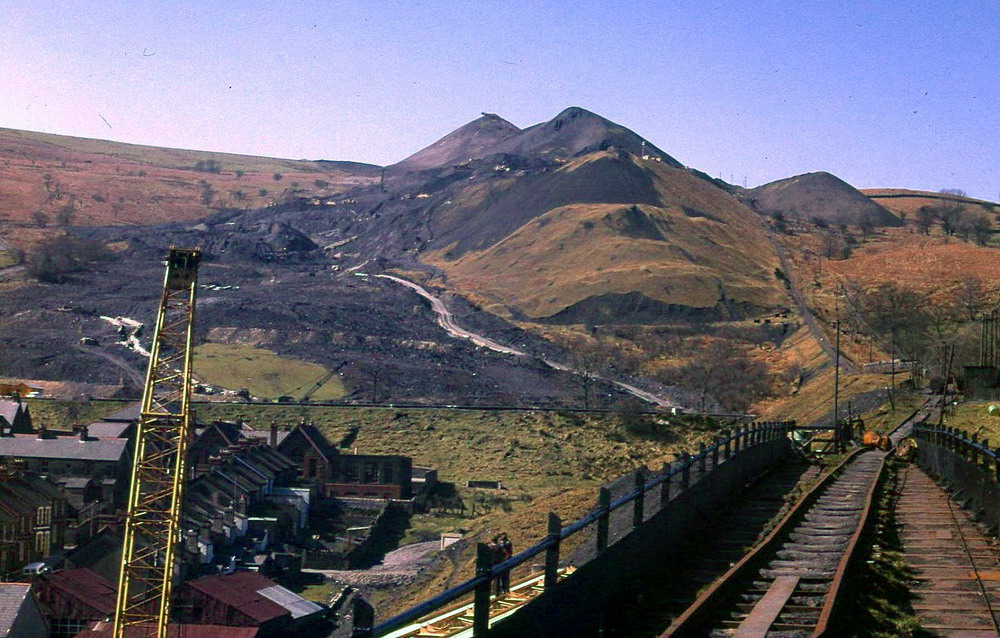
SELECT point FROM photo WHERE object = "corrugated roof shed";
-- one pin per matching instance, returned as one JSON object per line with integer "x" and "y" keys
{"x": 62, "y": 447}
{"x": 256, "y": 596}
{"x": 291, "y": 601}
{"x": 240, "y": 590}
{"x": 85, "y": 585}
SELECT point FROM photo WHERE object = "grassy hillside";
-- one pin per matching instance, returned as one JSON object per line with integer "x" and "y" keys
{"x": 261, "y": 372}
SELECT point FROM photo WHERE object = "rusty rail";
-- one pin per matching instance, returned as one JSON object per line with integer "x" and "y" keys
{"x": 722, "y": 450}
{"x": 723, "y": 590}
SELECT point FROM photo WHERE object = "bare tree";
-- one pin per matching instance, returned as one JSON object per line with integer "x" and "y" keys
{"x": 65, "y": 215}
{"x": 866, "y": 226}
{"x": 970, "y": 295}
{"x": 925, "y": 219}
{"x": 725, "y": 373}
{"x": 588, "y": 361}
{"x": 975, "y": 227}
{"x": 41, "y": 219}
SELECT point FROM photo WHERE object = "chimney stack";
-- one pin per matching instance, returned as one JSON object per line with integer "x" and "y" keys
{"x": 83, "y": 430}
{"x": 191, "y": 542}
{"x": 216, "y": 522}
{"x": 273, "y": 440}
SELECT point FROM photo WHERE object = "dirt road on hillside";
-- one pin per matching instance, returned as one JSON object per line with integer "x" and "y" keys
{"x": 447, "y": 321}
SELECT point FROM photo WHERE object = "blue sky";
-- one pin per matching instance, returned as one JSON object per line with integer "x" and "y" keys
{"x": 899, "y": 93}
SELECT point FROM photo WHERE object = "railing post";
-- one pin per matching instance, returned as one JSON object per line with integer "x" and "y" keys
{"x": 686, "y": 472}
{"x": 701, "y": 459}
{"x": 715, "y": 452}
{"x": 729, "y": 446}
{"x": 665, "y": 485}
{"x": 552, "y": 552}
{"x": 639, "y": 504}
{"x": 996, "y": 464}
{"x": 974, "y": 449}
{"x": 363, "y": 618}
{"x": 481, "y": 600}
{"x": 985, "y": 463}
{"x": 603, "y": 503}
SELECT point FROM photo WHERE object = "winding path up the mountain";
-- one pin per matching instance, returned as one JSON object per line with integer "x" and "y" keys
{"x": 846, "y": 365}
{"x": 447, "y": 321}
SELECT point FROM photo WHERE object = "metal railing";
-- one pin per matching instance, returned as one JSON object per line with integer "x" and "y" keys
{"x": 706, "y": 459}
{"x": 970, "y": 447}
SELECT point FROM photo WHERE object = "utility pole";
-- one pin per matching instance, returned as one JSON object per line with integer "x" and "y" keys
{"x": 837, "y": 434}
{"x": 892, "y": 369}
{"x": 944, "y": 387}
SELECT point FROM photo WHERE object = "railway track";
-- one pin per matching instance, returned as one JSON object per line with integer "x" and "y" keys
{"x": 788, "y": 585}
{"x": 955, "y": 566}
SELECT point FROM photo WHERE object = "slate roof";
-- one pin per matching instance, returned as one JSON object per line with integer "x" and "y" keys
{"x": 12, "y": 596}
{"x": 9, "y": 410}
{"x": 63, "y": 447}
{"x": 264, "y": 435}
{"x": 75, "y": 482}
{"x": 107, "y": 429}
{"x": 130, "y": 413}
{"x": 315, "y": 438}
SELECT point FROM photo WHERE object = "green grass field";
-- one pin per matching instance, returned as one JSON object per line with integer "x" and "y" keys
{"x": 262, "y": 372}
{"x": 974, "y": 419}
{"x": 62, "y": 415}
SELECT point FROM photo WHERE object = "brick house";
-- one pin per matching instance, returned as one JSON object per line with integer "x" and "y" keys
{"x": 310, "y": 450}
{"x": 33, "y": 519}
{"x": 346, "y": 475}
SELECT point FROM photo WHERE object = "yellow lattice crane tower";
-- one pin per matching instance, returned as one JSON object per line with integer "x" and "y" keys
{"x": 157, "y": 484}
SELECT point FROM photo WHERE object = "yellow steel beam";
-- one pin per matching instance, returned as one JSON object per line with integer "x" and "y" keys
{"x": 157, "y": 480}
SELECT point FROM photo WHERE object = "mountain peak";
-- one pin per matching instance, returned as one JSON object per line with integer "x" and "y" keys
{"x": 469, "y": 141}
{"x": 575, "y": 131}
{"x": 820, "y": 195}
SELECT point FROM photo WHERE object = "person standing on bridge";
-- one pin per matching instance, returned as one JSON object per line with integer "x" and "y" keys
{"x": 496, "y": 557}
{"x": 506, "y": 550}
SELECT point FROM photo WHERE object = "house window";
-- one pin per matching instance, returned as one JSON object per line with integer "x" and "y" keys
{"x": 312, "y": 468}
{"x": 43, "y": 541}
{"x": 67, "y": 627}
{"x": 44, "y": 516}
{"x": 351, "y": 472}
{"x": 387, "y": 474}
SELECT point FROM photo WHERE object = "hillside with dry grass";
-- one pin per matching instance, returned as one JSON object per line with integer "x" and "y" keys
{"x": 49, "y": 180}
{"x": 683, "y": 248}
{"x": 906, "y": 202}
